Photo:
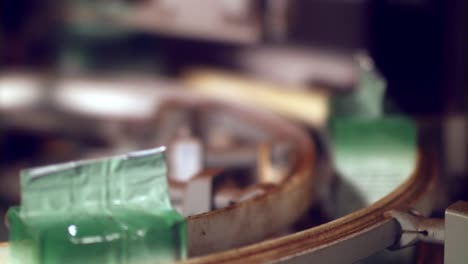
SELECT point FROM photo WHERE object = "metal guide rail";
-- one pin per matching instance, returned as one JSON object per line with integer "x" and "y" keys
{"x": 346, "y": 239}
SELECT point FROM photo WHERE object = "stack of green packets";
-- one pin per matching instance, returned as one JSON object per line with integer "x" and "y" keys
{"x": 113, "y": 210}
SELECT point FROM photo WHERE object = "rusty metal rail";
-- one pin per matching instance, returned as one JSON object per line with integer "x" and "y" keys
{"x": 346, "y": 239}
{"x": 255, "y": 219}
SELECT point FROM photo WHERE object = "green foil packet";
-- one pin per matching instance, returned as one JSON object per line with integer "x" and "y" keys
{"x": 112, "y": 210}
{"x": 374, "y": 156}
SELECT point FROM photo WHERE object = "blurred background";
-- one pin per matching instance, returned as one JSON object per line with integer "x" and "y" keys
{"x": 79, "y": 78}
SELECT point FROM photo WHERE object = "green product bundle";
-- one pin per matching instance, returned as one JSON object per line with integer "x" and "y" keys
{"x": 113, "y": 210}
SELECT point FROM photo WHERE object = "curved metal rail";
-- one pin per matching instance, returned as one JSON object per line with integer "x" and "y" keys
{"x": 255, "y": 219}
{"x": 346, "y": 239}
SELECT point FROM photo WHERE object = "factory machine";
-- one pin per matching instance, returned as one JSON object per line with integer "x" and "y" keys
{"x": 233, "y": 132}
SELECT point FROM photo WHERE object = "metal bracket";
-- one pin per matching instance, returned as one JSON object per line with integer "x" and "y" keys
{"x": 456, "y": 231}
{"x": 415, "y": 227}
{"x": 452, "y": 232}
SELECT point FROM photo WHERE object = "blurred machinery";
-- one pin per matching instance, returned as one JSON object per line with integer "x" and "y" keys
{"x": 297, "y": 131}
